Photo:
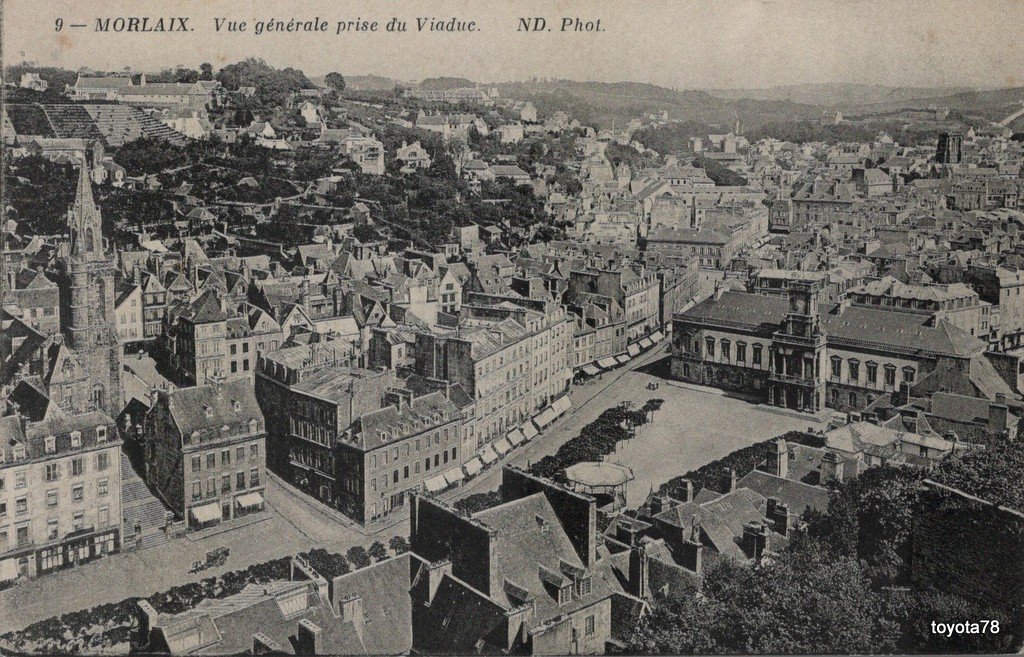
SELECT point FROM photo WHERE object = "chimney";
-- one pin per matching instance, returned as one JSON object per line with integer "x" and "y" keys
{"x": 731, "y": 474}
{"x": 781, "y": 458}
{"x": 719, "y": 289}
{"x": 264, "y": 645}
{"x": 147, "y": 619}
{"x": 844, "y": 305}
{"x": 777, "y": 515}
{"x": 831, "y": 468}
{"x": 691, "y": 550}
{"x": 308, "y": 638}
{"x": 688, "y": 490}
{"x": 639, "y": 581}
{"x": 351, "y": 611}
{"x": 755, "y": 540}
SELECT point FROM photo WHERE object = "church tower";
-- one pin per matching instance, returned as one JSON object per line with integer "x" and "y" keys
{"x": 88, "y": 296}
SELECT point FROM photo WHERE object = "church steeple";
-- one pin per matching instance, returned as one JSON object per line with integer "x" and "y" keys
{"x": 84, "y": 217}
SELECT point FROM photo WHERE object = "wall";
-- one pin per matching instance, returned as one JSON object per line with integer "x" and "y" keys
{"x": 437, "y": 532}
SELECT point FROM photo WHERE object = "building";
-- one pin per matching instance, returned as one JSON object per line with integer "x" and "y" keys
{"x": 129, "y": 314}
{"x": 33, "y": 81}
{"x": 205, "y": 452}
{"x": 413, "y": 156}
{"x": 794, "y": 354}
{"x": 60, "y": 492}
{"x": 949, "y": 149}
{"x": 88, "y": 312}
{"x": 955, "y": 302}
{"x": 634, "y": 288}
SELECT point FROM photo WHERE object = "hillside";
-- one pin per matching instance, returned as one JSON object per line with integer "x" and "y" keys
{"x": 603, "y": 104}
{"x": 993, "y": 104}
{"x": 836, "y": 95}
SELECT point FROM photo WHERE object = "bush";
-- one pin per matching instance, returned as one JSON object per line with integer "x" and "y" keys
{"x": 358, "y": 556}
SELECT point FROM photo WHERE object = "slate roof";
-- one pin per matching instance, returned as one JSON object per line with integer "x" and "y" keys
{"x": 206, "y": 409}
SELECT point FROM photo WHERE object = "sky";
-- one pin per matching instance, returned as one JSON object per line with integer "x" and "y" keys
{"x": 686, "y": 44}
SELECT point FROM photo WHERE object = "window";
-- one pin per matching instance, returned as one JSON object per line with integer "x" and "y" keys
{"x": 710, "y": 342}
{"x": 76, "y": 438}
{"x": 756, "y": 357}
{"x": 51, "y": 444}
{"x": 890, "y": 375}
{"x": 853, "y": 399}
{"x": 225, "y": 483}
{"x": 726, "y": 349}
{"x": 426, "y": 464}
{"x": 589, "y": 626}
{"x": 872, "y": 372}
{"x": 102, "y": 461}
{"x": 77, "y": 467}
{"x": 405, "y": 472}
{"x": 78, "y": 493}
{"x": 52, "y": 471}
{"x": 51, "y": 498}
{"x": 225, "y": 457}
{"x": 837, "y": 367}
{"x": 79, "y": 521}
{"x": 240, "y": 480}
{"x": 21, "y": 506}
{"x": 101, "y": 434}
{"x": 197, "y": 463}
{"x": 101, "y": 487}
{"x": 197, "y": 490}
{"x": 240, "y": 453}
{"x": 211, "y": 486}
{"x": 908, "y": 374}
{"x": 254, "y": 450}
{"x": 741, "y": 351}
{"x": 854, "y": 369}
{"x": 52, "y": 531}
{"x": 103, "y": 516}
{"x": 211, "y": 461}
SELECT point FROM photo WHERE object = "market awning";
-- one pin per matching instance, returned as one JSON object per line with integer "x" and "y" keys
{"x": 590, "y": 370}
{"x": 561, "y": 405}
{"x": 657, "y": 336}
{"x": 206, "y": 513}
{"x": 545, "y": 418}
{"x": 622, "y": 358}
{"x": 502, "y": 446}
{"x": 454, "y": 476}
{"x": 608, "y": 362}
{"x": 645, "y": 343}
{"x": 488, "y": 455}
{"x": 8, "y": 569}
{"x": 516, "y": 437}
{"x": 473, "y": 466}
{"x": 435, "y": 483}
{"x": 633, "y": 350}
{"x": 529, "y": 430}
{"x": 249, "y": 500}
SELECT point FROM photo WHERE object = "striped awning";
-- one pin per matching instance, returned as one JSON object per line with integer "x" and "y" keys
{"x": 473, "y": 466}
{"x": 435, "y": 483}
{"x": 206, "y": 513}
{"x": 454, "y": 476}
{"x": 488, "y": 455}
{"x": 249, "y": 500}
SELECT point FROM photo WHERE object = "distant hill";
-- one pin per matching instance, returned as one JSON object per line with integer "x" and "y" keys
{"x": 445, "y": 83}
{"x": 837, "y": 95}
{"x": 603, "y": 104}
{"x": 369, "y": 83}
{"x": 992, "y": 105}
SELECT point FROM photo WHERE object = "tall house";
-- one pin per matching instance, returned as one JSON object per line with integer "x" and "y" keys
{"x": 949, "y": 148}
{"x": 87, "y": 306}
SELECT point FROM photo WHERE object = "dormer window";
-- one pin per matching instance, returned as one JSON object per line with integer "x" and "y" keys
{"x": 564, "y": 595}
{"x": 101, "y": 435}
{"x": 237, "y": 405}
{"x": 51, "y": 444}
{"x": 208, "y": 411}
{"x": 584, "y": 586}
{"x": 76, "y": 438}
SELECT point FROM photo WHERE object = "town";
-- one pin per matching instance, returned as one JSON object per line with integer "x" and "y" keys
{"x": 357, "y": 365}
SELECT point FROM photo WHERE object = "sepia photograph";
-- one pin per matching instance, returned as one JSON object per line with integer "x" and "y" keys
{"x": 522, "y": 327}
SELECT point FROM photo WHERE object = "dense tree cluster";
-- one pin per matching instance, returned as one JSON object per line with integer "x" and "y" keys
{"x": 273, "y": 86}
{"x": 843, "y": 584}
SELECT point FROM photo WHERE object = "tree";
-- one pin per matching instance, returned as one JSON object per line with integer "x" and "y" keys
{"x": 358, "y": 556}
{"x": 335, "y": 81}
{"x": 398, "y": 544}
{"x": 206, "y": 71}
{"x": 377, "y": 551}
